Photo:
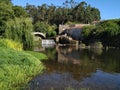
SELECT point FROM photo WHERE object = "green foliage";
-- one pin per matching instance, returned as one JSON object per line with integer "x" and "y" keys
{"x": 107, "y": 32}
{"x": 6, "y": 13}
{"x": 85, "y": 13}
{"x": 40, "y": 27}
{"x": 110, "y": 27}
{"x": 69, "y": 11}
{"x": 87, "y": 30}
{"x": 11, "y": 44}
{"x": 6, "y": 1}
{"x": 51, "y": 30}
{"x": 19, "y": 11}
{"x": 17, "y": 68}
{"x": 19, "y": 29}
{"x": 45, "y": 28}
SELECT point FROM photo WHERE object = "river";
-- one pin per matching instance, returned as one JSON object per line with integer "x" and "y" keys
{"x": 73, "y": 68}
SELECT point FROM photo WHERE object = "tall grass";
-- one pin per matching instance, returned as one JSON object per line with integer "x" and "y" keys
{"x": 17, "y": 68}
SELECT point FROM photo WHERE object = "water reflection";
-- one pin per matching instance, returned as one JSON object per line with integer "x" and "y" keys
{"x": 72, "y": 67}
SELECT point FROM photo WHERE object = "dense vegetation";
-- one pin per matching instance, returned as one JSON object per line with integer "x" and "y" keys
{"x": 15, "y": 24}
{"x": 17, "y": 67}
{"x": 107, "y": 32}
{"x": 45, "y": 28}
{"x": 70, "y": 11}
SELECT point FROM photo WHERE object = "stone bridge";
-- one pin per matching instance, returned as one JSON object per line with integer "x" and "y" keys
{"x": 42, "y": 35}
{"x": 71, "y": 27}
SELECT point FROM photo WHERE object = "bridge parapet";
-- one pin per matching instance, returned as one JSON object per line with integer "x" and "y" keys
{"x": 42, "y": 35}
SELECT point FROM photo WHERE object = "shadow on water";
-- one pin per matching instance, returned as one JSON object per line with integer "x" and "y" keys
{"x": 72, "y": 68}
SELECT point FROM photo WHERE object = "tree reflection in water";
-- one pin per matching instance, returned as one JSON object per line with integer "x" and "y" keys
{"x": 75, "y": 67}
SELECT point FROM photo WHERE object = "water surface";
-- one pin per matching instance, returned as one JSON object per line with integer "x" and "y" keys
{"x": 72, "y": 68}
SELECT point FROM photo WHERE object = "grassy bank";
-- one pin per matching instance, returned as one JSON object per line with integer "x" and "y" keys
{"x": 18, "y": 67}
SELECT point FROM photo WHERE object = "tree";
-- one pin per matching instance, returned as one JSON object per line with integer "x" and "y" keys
{"x": 85, "y": 13}
{"x": 79, "y": 11}
{"x": 42, "y": 12}
{"x": 6, "y": 13}
{"x": 45, "y": 28}
{"x": 40, "y": 27}
{"x": 111, "y": 27}
{"x": 51, "y": 31}
{"x": 20, "y": 11}
{"x": 20, "y": 29}
{"x": 50, "y": 14}
{"x": 6, "y": 1}
{"x": 107, "y": 32}
{"x": 33, "y": 12}
{"x": 95, "y": 14}
{"x": 69, "y": 11}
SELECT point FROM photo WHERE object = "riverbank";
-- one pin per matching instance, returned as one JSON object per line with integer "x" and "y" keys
{"x": 18, "y": 67}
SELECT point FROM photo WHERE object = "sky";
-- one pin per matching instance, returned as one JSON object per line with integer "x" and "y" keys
{"x": 109, "y": 9}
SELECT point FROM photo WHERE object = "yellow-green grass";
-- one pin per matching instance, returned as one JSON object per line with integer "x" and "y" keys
{"x": 11, "y": 44}
{"x": 18, "y": 67}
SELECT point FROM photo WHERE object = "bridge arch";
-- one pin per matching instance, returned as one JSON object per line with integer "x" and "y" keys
{"x": 42, "y": 35}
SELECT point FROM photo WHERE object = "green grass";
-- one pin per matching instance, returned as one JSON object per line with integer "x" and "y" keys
{"x": 18, "y": 67}
{"x": 40, "y": 56}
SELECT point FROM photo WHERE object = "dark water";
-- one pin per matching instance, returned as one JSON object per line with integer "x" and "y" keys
{"x": 72, "y": 68}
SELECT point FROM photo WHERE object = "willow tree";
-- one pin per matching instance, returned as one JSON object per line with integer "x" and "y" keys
{"x": 19, "y": 29}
